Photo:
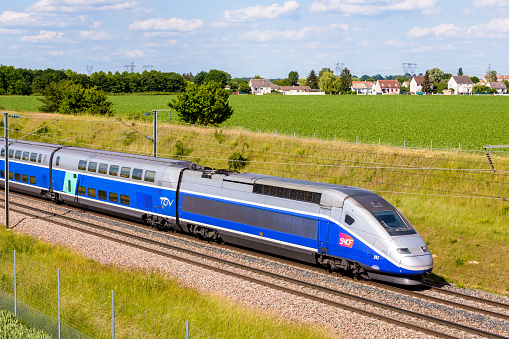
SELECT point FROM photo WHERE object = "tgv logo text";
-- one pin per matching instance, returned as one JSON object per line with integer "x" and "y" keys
{"x": 345, "y": 240}
{"x": 166, "y": 202}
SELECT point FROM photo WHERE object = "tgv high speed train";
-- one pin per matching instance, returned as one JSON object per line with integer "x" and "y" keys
{"x": 338, "y": 227}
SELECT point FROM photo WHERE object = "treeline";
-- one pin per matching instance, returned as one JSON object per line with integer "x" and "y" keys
{"x": 21, "y": 81}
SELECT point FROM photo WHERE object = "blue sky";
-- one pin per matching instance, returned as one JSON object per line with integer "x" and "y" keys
{"x": 246, "y": 38}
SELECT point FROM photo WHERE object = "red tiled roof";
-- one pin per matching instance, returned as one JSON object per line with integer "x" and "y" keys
{"x": 388, "y": 83}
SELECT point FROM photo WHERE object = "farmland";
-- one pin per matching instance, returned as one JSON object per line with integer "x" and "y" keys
{"x": 416, "y": 121}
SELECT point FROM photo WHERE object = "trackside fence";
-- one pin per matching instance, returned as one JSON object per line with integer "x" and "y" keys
{"x": 65, "y": 307}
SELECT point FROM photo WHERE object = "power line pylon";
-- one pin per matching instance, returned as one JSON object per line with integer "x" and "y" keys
{"x": 408, "y": 68}
{"x": 130, "y": 68}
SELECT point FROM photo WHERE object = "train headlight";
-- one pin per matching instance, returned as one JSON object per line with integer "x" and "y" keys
{"x": 424, "y": 248}
{"x": 403, "y": 250}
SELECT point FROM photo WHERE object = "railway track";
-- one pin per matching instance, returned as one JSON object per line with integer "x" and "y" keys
{"x": 311, "y": 290}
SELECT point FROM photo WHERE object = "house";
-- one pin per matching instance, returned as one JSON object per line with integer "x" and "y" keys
{"x": 260, "y": 86}
{"x": 387, "y": 87}
{"x": 299, "y": 90}
{"x": 499, "y": 86}
{"x": 461, "y": 84}
{"x": 362, "y": 87}
{"x": 501, "y": 77}
{"x": 416, "y": 84}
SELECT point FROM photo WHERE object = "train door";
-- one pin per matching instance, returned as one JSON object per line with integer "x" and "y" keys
{"x": 323, "y": 229}
{"x": 70, "y": 183}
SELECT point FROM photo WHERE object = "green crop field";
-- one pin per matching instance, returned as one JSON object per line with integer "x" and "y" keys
{"x": 416, "y": 121}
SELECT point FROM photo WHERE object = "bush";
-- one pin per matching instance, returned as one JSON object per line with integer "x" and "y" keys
{"x": 67, "y": 97}
{"x": 237, "y": 161}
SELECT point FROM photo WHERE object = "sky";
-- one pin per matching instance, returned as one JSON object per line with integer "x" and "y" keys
{"x": 248, "y": 38}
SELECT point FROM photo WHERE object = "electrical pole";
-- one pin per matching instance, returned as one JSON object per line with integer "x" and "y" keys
{"x": 154, "y": 132}
{"x": 6, "y": 173}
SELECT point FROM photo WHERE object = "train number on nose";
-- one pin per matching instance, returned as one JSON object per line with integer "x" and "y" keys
{"x": 345, "y": 240}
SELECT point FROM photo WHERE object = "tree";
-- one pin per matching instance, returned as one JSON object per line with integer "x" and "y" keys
{"x": 478, "y": 88}
{"x": 198, "y": 78}
{"x": 312, "y": 80}
{"x": 329, "y": 83}
{"x": 491, "y": 76}
{"x": 460, "y": 71}
{"x": 426, "y": 87}
{"x": 257, "y": 77}
{"x": 244, "y": 88}
{"x": 294, "y": 77}
{"x": 218, "y": 76}
{"x": 436, "y": 74}
{"x": 345, "y": 84}
{"x": 474, "y": 79}
{"x": 506, "y": 82}
{"x": 67, "y": 97}
{"x": 283, "y": 82}
{"x": 205, "y": 104}
{"x": 324, "y": 70}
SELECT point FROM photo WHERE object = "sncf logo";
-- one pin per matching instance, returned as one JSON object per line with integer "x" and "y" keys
{"x": 345, "y": 240}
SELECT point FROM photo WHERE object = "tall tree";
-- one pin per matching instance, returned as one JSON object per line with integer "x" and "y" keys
{"x": 312, "y": 80}
{"x": 435, "y": 74}
{"x": 199, "y": 78}
{"x": 205, "y": 104}
{"x": 329, "y": 83}
{"x": 345, "y": 81}
{"x": 426, "y": 87}
{"x": 324, "y": 70}
{"x": 294, "y": 77}
{"x": 491, "y": 76}
{"x": 460, "y": 71}
{"x": 474, "y": 79}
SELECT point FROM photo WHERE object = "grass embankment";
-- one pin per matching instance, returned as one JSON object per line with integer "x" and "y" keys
{"x": 417, "y": 121}
{"x": 10, "y": 327}
{"x": 456, "y": 208}
{"x": 147, "y": 304}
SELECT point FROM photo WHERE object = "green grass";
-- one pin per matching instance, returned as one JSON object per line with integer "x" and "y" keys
{"x": 147, "y": 304}
{"x": 10, "y": 327}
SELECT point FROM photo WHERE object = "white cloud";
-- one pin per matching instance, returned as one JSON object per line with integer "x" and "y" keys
{"x": 494, "y": 27}
{"x": 159, "y": 34}
{"x": 419, "y": 32}
{"x": 55, "y": 53}
{"x": 369, "y": 7}
{"x": 16, "y": 18}
{"x": 490, "y": 3}
{"x": 44, "y": 36}
{"x": 5, "y": 31}
{"x": 133, "y": 54}
{"x": 258, "y": 12}
{"x": 431, "y": 48}
{"x": 96, "y": 24}
{"x": 93, "y": 35}
{"x": 173, "y": 24}
{"x": 395, "y": 43}
{"x": 75, "y": 6}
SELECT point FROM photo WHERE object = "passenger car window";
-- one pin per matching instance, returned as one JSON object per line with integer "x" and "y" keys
{"x": 11, "y": 175}
{"x": 103, "y": 168}
{"x": 11, "y": 153}
{"x": 17, "y": 155}
{"x": 82, "y": 190}
{"x": 150, "y": 176}
{"x": 349, "y": 220}
{"x": 24, "y": 178}
{"x": 124, "y": 199}
{"x": 114, "y": 170}
{"x": 33, "y": 180}
{"x": 17, "y": 176}
{"x": 40, "y": 158}
{"x": 82, "y": 165}
{"x": 92, "y": 166}
{"x": 92, "y": 192}
{"x": 57, "y": 162}
{"x": 126, "y": 172}
{"x": 137, "y": 173}
{"x": 3, "y": 153}
{"x": 26, "y": 155}
{"x": 33, "y": 157}
{"x": 113, "y": 197}
{"x": 2, "y": 173}
{"x": 102, "y": 195}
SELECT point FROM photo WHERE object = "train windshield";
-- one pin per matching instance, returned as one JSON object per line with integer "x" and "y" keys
{"x": 390, "y": 220}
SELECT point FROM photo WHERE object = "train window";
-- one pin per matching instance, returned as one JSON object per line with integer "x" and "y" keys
{"x": 2, "y": 173}
{"x": 17, "y": 176}
{"x": 26, "y": 155}
{"x": 114, "y": 170}
{"x": 102, "y": 195}
{"x": 390, "y": 220}
{"x": 24, "y": 178}
{"x": 17, "y": 155}
{"x": 57, "y": 162}
{"x": 11, "y": 175}
{"x": 92, "y": 166}
{"x": 103, "y": 168}
{"x": 150, "y": 176}
{"x": 11, "y": 153}
{"x": 125, "y": 172}
{"x": 82, "y": 190}
{"x": 33, "y": 180}
{"x": 82, "y": 165}
{"x": 92, "y": 193}
{"x": 33, "y": 157}
{"x": 40, "y": 158}
{"x": 349, "y": 220}
{"x": 137, "y": 173}
{"x": 124, "y": 199}
{"x": 3, "y": 153}
{"x": 113, "y": 197}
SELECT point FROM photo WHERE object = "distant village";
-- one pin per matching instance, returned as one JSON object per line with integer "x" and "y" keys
{"x": 456, "y": 85}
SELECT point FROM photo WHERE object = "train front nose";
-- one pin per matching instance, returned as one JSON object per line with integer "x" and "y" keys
{"x": 417, "y": 262}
